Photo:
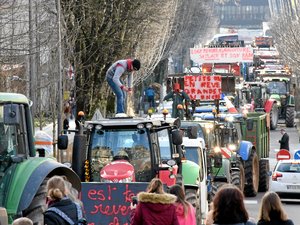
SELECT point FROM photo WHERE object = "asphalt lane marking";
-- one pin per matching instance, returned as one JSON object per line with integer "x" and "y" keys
{"x": 251, "y": 202}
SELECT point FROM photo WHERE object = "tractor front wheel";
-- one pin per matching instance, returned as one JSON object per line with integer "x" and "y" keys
{"x": 274, "y": 117}
{"x": 192, "y": 196}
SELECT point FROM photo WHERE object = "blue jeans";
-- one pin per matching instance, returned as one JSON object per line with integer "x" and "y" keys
{"x": 119, "y": 93}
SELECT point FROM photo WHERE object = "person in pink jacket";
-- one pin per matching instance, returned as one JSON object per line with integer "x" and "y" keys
{"x": 154, "y": 207}
{"x": 186, "y": 213}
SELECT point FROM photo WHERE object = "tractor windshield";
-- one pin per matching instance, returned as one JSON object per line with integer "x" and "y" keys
{"x": 108, "y": 145}
{"x": 277, "y": 87}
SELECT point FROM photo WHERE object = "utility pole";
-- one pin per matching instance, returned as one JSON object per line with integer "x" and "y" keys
{"x": 60, "y": 90}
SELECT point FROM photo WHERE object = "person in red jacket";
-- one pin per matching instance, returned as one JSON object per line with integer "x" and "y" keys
{"x": 154, "y": 207}
{"x": 186, "y": 213}
{"x": 115, "y": 75}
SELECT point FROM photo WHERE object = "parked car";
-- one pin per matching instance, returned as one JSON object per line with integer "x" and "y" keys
{"x": 286, "y": 177}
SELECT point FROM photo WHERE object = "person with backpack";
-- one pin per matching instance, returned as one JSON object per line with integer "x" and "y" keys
{"x": 61, "y": 209}
{"x": 121, "y": 69}
{"x": 150, "y": 96}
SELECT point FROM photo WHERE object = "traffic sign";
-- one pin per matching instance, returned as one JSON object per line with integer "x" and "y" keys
{"x": 226, "y": 152}
{"x": 283, "y": 155}
{"x": 297, "y": 155}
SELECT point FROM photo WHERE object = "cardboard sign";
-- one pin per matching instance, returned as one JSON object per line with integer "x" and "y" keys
{"x": 109, "y": 203}
{"x": 203, "y": 87}
{"x": 221, "y": 55}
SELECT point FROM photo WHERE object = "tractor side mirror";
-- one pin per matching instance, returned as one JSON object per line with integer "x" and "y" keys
{"x": 218, "y": 160}
{"x": 250, "y": 124}
{"x": 192, "y": 132}
{"x": 62, "y": 142}
{"x": 11, "y": 114}
{"x": 177, "y": 137}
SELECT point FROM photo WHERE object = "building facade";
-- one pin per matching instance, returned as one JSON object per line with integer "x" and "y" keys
{"x": 246, "y": 14}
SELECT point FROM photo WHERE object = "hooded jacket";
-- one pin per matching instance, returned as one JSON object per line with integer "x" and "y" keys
{"x": 155, "y": 209}
{"x": 189, "y": 219}
{"x": 65, "y": 205}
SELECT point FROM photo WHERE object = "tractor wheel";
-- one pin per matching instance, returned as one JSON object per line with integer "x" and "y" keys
{"x": 264, "y": 168}
{"x": 192, "y": 196}
{"x": 38, "y": 205}
{"x": 215, "y": 187}
{"x": 274, "y": 117}
{"x": 251, "y": 175}
{"x": 238, "y": 178}
{"x": 289, "y": 116}
{"x": 179, "y": 180}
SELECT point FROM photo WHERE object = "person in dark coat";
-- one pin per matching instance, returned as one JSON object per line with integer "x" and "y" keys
{"x": 154, "y": 206}
{"x": 284, "y": 142}
{"x": 271, "y": 211}
{"x": 79, "y": 120}
{"x": 57, "y": 197}
{"x": 178, "y": 96}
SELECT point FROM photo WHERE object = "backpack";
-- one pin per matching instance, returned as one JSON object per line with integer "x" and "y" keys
{"x": 150, "y": 92}
{"x": 80, "y": 221}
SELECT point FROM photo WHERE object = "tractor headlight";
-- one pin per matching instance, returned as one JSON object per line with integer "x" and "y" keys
{"x": 217, "y": 149}
{"x": 232, "y": 147}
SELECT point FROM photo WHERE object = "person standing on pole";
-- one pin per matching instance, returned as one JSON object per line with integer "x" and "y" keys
{"x": 113, "y": 76}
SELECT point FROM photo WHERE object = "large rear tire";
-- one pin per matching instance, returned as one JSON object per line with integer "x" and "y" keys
{"x": 38, "y": 205}
{"x": 192, "y": 196}
{"x": 274, "y": 117}
{"x": 251, "y": 175}
{"x": 290, "y": 116}
{"x": 264, "y": 168}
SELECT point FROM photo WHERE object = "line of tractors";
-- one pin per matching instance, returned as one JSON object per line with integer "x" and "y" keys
{"x": 115, "y": 158}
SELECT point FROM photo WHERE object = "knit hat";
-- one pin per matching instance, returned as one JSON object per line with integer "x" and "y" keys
{"x": 136, "y": 64}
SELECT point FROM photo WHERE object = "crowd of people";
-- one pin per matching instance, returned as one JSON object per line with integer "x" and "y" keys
{"x": 156, "y": 206}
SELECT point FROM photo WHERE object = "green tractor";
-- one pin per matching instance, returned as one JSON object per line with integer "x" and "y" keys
{"x": 279, "y": 88}
{"x": 249, "y": 138}
{"x": 246, "y": 141}
{"x": 121, "y": 155}
{"x": 222, "y": 163}
{"x": 23, "y": 175}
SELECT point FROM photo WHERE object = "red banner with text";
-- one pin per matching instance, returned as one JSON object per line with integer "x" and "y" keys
{"x": 203, "y": 87}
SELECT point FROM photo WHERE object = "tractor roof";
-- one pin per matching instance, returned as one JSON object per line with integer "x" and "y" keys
{"x": 13, "y": 98}
{"x": 129, "y": 121}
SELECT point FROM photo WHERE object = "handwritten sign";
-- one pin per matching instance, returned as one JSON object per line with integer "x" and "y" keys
{"x": 221, "y": 55}
{"x": 203, "y": 87}
{"x": 109, "y": 203}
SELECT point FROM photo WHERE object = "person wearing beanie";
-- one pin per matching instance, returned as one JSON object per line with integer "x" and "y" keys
{"x": 115, "y": 75}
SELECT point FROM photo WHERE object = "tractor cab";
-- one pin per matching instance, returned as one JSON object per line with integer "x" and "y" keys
{"x": 128, "y": 150}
